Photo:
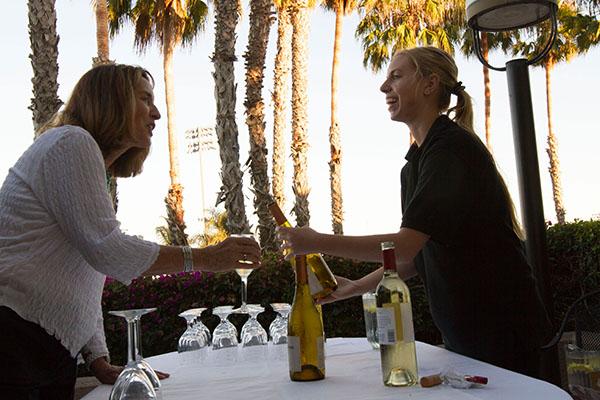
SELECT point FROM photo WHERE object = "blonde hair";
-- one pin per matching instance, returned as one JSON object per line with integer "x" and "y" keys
{"x": 432, "y": 60}
{"x": 103, "y": 103}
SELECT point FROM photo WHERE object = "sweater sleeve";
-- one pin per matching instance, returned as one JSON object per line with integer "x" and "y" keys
{"x": 73, "y": 188}
{"x": 96, "y": 346}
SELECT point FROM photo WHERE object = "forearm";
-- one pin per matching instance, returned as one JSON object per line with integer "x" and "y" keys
{"x": 369, "y": 282}
{"x": 407, "y": 243}
{"x": 364, "y": 248}
{"x": 170, "y": 261}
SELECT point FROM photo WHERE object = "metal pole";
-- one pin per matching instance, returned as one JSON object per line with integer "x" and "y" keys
{"x": 532, "y": 208}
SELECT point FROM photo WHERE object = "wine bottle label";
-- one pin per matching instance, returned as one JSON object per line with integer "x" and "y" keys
{"x": 313, "y": 282}
{"x": 293, "y": 343}
{"x": 321, "y": 352}
{"x": 394, "y": 323}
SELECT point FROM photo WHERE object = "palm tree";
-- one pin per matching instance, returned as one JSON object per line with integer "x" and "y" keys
{"x": 101, "y": 11}
{"x": 226, "y": 20}
{"x": 44, "y": 60}
{"x": 388, "y": 26}
{"x": 170, "y": 23}
{"x": 261, "y": 12}
{"x": 574, "y": 37}
{"x": 488, "y": 41}
{"x": 341, "y": 8}
{"x": 281, "y": 74}
{"x": 299, "y": 11}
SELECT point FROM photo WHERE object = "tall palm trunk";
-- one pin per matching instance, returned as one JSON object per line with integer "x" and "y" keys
{"x": 44, "y": 60}
{"x": 101, "y": 10}
{"x": 258, "y": 38}
{"x": 552, "y": 150}
{"x": 300, "y": 24}
{"x": 174, "y": 199}
{"x": 281, "y": 76}
{"x": 335, "y": 162}
{"x": 226, "y": 20}
{"x": 487, "y": 92}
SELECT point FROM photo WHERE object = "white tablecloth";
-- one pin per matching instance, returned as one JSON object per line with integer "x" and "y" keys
{"x": 352, "y": 372}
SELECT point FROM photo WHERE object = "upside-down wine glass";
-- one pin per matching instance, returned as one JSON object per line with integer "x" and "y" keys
{"x": 252, "y": 332}
{"x": 225, "y": 334}
{"x": 278, "y": 328}
{"x": 136, "y": 381}
{"x": 194, "y": 337}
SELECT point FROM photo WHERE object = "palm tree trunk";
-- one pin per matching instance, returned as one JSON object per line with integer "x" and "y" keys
{"x": 174, "y": 199}
{"x": 487, "y": 92}
{"x": 335, "y": 163}
{"x": 44, "y": 60}
{"x": 226, "y": 20}
{"x": 300, "y": 24}
{"x": 101, "y": 9}
{"x": 281, "y": 76}
{"x": 258, "y": 38}
{"x": 552, "y": 151}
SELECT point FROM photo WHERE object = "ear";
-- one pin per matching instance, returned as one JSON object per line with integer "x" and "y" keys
{"x": 431, "y": 83}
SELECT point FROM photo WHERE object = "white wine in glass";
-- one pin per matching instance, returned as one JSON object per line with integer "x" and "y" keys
{"x": 244, "y": 273}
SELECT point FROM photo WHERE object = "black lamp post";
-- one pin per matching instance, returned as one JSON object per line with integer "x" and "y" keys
{"x": 506, "y": 15}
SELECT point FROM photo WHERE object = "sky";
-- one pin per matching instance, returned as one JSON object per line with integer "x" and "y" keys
{"x": 373, "y": 146}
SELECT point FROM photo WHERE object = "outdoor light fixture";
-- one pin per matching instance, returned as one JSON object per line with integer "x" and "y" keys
{"x": 508, "y": 15}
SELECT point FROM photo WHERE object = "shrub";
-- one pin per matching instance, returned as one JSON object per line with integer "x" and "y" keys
{"x": 574, "y": 263}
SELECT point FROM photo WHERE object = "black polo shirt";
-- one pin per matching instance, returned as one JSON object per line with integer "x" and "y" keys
{"x": 473, "y": 266}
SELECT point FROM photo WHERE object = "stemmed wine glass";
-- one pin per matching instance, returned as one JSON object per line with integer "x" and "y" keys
{"x": 244, "y": 273}
{"x": 137, "y": 380}
{"x": 195, "y": 337}
{"x": 225, "y": 334}
{"x": 278, "y": 328}
{"x": 252, "y": 332}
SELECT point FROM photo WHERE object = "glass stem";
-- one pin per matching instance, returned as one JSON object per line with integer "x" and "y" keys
{"x": 244, "y": 291}
{"x": 131, "y": 341}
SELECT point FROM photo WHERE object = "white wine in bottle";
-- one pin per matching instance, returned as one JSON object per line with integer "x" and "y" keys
{"x": 306, "y": 353}
{"x": 321, "y": 280}
{"x": 395, "y": 325}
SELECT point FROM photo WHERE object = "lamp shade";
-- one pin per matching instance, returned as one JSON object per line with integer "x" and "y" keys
{"x": 506, "y": 15}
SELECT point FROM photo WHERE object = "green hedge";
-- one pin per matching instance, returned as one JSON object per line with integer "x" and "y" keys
{"x": 574, "y": 261}
{"x": 574, "y": 255}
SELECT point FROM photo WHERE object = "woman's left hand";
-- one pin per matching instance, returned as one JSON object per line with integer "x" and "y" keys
{"x": 107, "y": 373}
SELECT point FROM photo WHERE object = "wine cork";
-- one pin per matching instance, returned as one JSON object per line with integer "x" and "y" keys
{"x": 431, "y": 380}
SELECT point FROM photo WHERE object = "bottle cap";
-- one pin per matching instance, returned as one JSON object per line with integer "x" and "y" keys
{"x": 387, "y": 245}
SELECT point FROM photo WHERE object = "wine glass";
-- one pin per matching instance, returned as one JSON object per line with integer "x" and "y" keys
{"x": 194, "y": 337}
{"x": 244, "y": 273}
{"x": 252, "y": 332}
{"x": 225, "y": 334}
{"x": 137, "y": 380}
{"x": 278, "y": 328}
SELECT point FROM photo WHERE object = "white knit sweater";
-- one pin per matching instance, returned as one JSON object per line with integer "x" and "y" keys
{"x": 59, "y": 238}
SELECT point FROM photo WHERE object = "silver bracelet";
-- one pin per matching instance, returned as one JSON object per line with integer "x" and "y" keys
{"x": 188, "y": 260}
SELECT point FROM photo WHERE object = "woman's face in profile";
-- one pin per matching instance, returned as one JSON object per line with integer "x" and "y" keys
{"x": 401, "y": 89}
{"x": 145, "y": 114}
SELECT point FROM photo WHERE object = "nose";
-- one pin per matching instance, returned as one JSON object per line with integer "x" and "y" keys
{"x": 154, "y": 113}
{"x": 384, "y": 87}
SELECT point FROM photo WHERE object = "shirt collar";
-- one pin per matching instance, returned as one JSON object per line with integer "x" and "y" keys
{"x": 436, "y": 129}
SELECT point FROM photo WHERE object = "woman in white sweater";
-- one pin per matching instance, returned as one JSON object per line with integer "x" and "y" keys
{"x": 59, "y": 237}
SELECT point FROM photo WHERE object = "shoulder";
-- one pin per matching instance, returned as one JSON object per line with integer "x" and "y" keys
{"x": 453, "y": 140}
{"x": 69, "y": 139}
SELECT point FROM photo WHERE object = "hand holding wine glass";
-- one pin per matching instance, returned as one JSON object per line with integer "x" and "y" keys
{"x": 244, "y": 270}
{"x": 233, "y": 252}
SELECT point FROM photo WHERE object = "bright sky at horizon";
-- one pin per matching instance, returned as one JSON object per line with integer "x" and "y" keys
{"x": 373, "y": 146}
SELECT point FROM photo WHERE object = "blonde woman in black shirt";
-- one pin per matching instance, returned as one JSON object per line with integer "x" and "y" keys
{"x": 459, "y": 232}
